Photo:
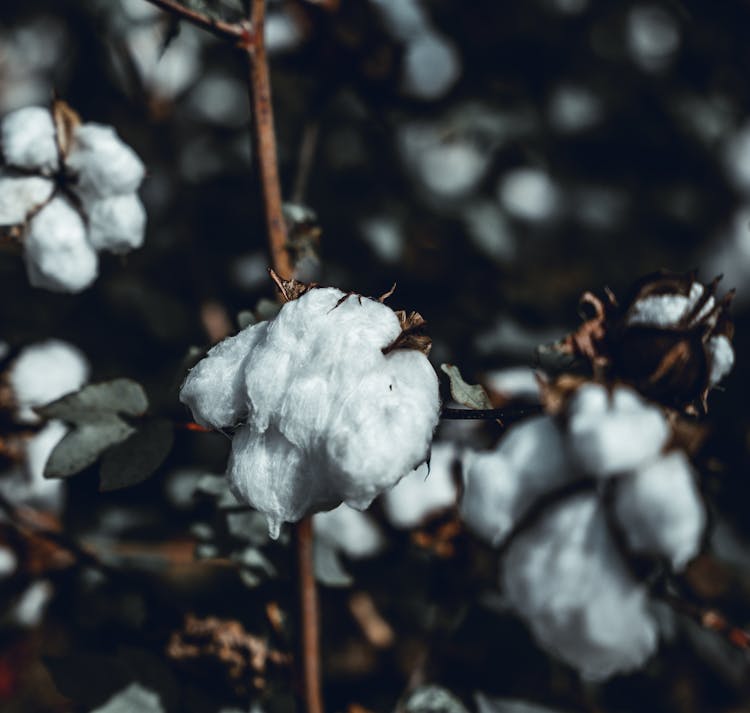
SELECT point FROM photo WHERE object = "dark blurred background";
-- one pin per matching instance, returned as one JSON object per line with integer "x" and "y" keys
{"x": 494, "y": 159}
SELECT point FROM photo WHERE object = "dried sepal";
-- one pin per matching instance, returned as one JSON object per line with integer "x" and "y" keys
{"x": 290, "y": 289}
{"x": 412, "y": 335}
{"x": 66, "y": 120}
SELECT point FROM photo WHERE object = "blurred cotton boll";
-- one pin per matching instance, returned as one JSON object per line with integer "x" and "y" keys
{"x": 425, "y": 491}
{"x": 349, "y": 531}
{"x": 65, "y": 213}
{"x": 328, "y": 408}
{"x": 32, "y": 61}
{"x": 385, "y": 235}
{"x": 737, "y": 158}
{"x": 431, "y": 66}
{"x": 490, "y": 230}
{"x": 447, "y": 167}
{"x": 529, "y": 194}
{"x": 574, "y": 108}
{"x": 44, "y": 372}
{"x": 565, "y": 577}
{"x": 653, "y": 37}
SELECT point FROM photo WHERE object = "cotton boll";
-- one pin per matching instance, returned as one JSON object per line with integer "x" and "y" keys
{"x": 44, "y": 372}
{"x": 213, "y": 390}
{"x": 20, "y": 196}
{"x": 105, "y": 166}
{"x": 29, "y": 609}
{"x": 613, "y": 436}
{"x": 423, "y": 492}
{"x": 58, "y": 256}
{"x": 661, "y": 511}
{"x": 529, "y": 194}
{"x": 518, "y": 382}
{"x": 565, "y": 577}
{"x": 44, "y": 493}
{"x": 329, "y": 417}
{"x": 668, "y": 310}
{"x": 722, "y": 358}
{"x": 349, "y": 531}
{"x": 431, "y": 66}
{"x": 117, "y": 223}
{"x": 501, "y": 485}
{"x": 28, "y": 140}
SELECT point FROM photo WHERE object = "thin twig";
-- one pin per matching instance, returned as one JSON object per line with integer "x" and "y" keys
{"x": 264, "y": 140}
{"x": 225, "y": 30}
{"x": 309, "y": 640}
{"x": 490, "y": 414}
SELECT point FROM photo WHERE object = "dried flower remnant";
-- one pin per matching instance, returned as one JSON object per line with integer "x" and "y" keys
{"x": 550, "y": 494}
{"x": 331, "y": 403}
{"x": 67, "y": 191}
{"x": 670, "y": 338}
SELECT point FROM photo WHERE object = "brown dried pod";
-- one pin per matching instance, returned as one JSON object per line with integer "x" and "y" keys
{"x": 670, "y": 338}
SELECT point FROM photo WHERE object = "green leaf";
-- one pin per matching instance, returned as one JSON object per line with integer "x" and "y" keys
{"x": 83, "y": 445}
{"x": 95, "y": 401}
{"x": 135, "y": 459}
{"x": 471, "y": 395}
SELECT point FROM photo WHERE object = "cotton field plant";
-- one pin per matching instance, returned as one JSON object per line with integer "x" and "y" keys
{"x": 244, "y": 463}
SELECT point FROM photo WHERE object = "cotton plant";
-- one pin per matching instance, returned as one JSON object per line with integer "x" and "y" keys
{"x": 331, "y": 401}
{"x": 670, "y": 338}
{"x": 40, "y": 374}
{"x": 68, "y": 190}
{"x": 570, "y": 499}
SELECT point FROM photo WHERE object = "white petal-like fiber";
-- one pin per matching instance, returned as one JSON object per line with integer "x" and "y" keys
{"x": 329, "y": 417}
{"x": 104, "y": 164}
{"x": 425, "y": 491}
{"x": 44, "y": 372}
{"x": 28, "y": 139}
{"x": 669, "y": 309}
{"x": 501, "y": 485}
{"x": 661, "y": 511}
{"x": 117, "y": 223}
{"x": 722, "y": 358}
{"x": 58, "y": 256}
{"x": 20, "y": 196}
{"x": 566, "y": 579}
{"x": 609, "y": 435}
{"x": 349, "y": 531}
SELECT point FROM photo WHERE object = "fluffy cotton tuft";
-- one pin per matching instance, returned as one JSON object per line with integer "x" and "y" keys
{"x": 661, "y": 511}
{"x": 104, "y": 164}
{"x": 722, "y": 358}
{"x": 565, "y": 577}
{"x": 349, "y": 531}
{"x": 66, "y": 213}
{"x": 562, "y": 572}
{"x": 44, "y": 372}
{"x": 326, "y": 416}
{"x": 58, "y": 256}
{"x": 28, "y": 140}
{"x": 20, "y": 196}
{"x": 667, "y": 310}
{"x": 501, "y": 485}
{"x": 423, "y": 492}
{"x": 117, "y": 223}
{"x": 614, "y": 434}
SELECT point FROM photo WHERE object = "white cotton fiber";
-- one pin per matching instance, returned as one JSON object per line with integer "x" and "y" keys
{"x": 423, "y": 492}
{"x": 44, "y": 372}
{"x": 349, "y": 531}
{"x": 104, "y": 164}
{"x": 28, "y": 140}
{"x": 667, "y": 310}
{"x": 609, "y": 435}
{"x": 328, "y": 417}
{"x": 567, "y": 581}
{"x": 501, "y": 485}
{"x": 661, "y": 511}
{"x": 117, "y": 223}
{"x": 20, "y": 196}
{"x": 58, "y": 256}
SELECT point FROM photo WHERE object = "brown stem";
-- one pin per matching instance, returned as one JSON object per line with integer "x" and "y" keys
{"x": 309, "y": 640}
{"x": 264, "y": 140}
{"x": 225, "y": 30}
